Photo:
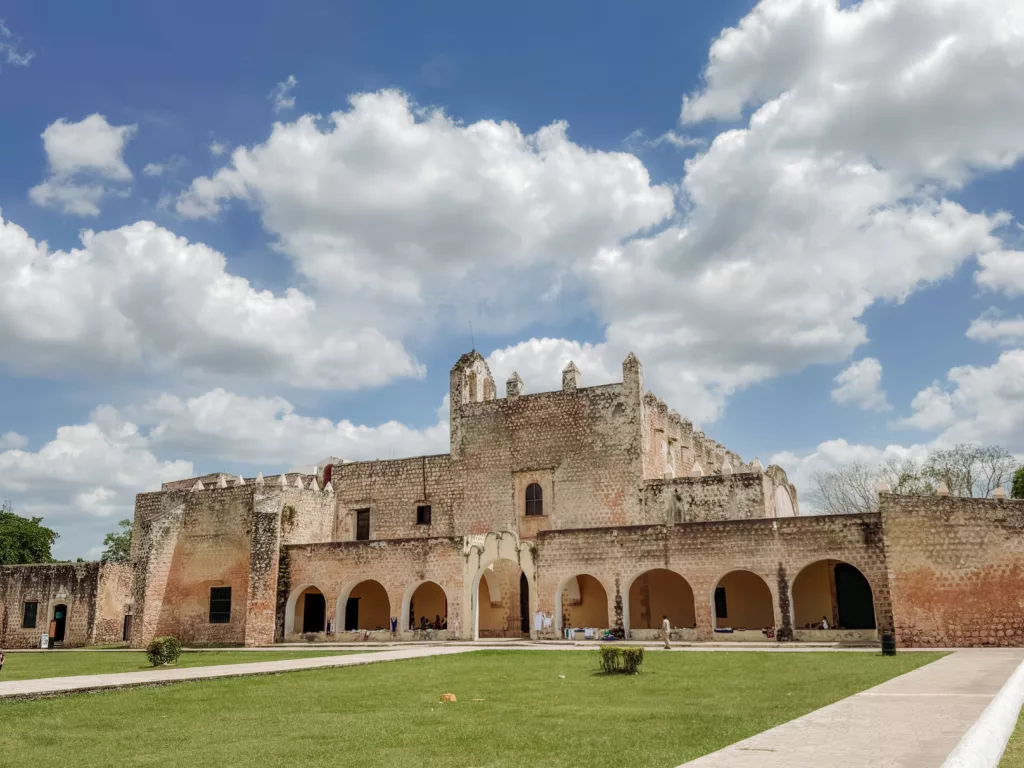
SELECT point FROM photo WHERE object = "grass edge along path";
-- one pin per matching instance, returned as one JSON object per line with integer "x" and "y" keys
{"x": 536, "y": 708}
{"x": 1013, "y": 757}
{"x": 34, "y": 666}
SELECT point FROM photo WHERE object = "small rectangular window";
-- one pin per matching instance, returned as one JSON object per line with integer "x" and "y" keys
{"x": 220, "y": 605}
{"x": 423, "y": 514}
{"x": 362, "y": 525}
{"x": 721, "y": 611}
{"x": 28, "y": 621}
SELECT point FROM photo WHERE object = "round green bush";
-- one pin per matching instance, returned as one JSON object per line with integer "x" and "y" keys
{"x": 163, "y": 650}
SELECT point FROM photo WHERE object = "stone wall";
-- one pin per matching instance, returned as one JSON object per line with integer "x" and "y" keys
{"x": 392, "y": 490}
{"x": 73, "y": 585}
{"x": 957, "y": 569}
{"x": 113, "y": 602}
{"x": 738, "y": 496}
{"x": 585, "y": 443}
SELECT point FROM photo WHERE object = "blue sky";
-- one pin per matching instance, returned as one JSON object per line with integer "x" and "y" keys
{"x": 755, "y": 198}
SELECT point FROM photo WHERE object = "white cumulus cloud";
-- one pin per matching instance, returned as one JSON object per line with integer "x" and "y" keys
{"x": 140, "y": 297}
{"x": 979, "y": 404}
{"x": 992, "y": 326}
{"x": 412, "y": 218}
{"x": 83, "y": 158}
{"x": 860, "y": 385}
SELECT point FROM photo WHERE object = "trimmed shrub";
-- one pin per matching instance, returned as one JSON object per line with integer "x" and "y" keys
{"x": 163, "y": 650}
{"x": 632, "y": 658}
{"x": 625, "y": 660}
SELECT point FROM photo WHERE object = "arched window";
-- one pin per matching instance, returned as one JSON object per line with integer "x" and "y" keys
{"x": 534, "y": 500}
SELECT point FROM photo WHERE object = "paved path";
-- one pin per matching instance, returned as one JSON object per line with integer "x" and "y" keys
{"x": 55, "y": 685}
{"x": 912, "y": 721}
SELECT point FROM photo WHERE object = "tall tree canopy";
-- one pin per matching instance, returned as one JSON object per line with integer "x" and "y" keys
{"x": 118, "y": 545}
{"x": 1018, "y": 484}
{"x": 23, "y": 539}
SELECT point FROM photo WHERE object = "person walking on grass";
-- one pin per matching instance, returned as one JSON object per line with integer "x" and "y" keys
{"x": 665, "y": 627}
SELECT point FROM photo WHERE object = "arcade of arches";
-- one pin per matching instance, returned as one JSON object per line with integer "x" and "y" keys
{"x": 827, "y": 589}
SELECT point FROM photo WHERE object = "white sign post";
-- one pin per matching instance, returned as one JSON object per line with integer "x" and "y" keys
{"x": 44, "y": 641}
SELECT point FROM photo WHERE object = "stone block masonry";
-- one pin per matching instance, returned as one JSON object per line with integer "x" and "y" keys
{"x": 559, "y": 502}
{"x": 957, "y": 569}
{"x": 94, "y": 598}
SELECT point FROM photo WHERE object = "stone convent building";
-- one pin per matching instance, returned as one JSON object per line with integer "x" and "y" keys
{"x": 561, "y": 514}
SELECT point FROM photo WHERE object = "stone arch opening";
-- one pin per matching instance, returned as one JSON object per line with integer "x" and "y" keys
{"x": 661, "y": 592}
{"x": 833, "y": 591}
{"x": 365, "y": 606}
{"x": 742, "y": 600}
{"x": 581, "y": 602}
{"x": 494, "y": 549}
{"x": 502, "y": 601}
{"x": 306, "y": 610}
{"x": 425, "y": 606}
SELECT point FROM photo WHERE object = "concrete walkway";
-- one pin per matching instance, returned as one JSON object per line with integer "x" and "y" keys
{"x": 912, "y": 721}
{"x": 49, "y": 686}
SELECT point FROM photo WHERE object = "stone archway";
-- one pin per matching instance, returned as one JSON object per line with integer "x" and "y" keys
{"x": 742, "y": 600}
{"x": 424, "y": 599}
{"x": 295, "y": 619}
{"x": 483, "y": 551}
{"x": 582, "y": 600}
{"x": 835, "y": 591}
{"x": 363, "y": 605}
{"x": 660, "y": 592}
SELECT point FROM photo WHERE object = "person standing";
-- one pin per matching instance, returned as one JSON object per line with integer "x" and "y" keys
{"x": 665, "y": 627}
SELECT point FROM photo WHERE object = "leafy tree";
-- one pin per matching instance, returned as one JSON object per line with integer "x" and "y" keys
{"x": 23, "y": 539}
{"x": 1018, "y": 484}
{"x": 118, "y": 545}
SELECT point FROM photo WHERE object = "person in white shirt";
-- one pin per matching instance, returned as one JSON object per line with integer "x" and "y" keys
{"x": 665, "y": 627}
{"x": 824, "y": 623}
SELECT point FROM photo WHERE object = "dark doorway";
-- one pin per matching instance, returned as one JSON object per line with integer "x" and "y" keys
{"x": 60, "y": 618}
{"x": 313, "y": 613}
{"x": 126, "y": 634}
{"x": 853, "y": 594}
{"x": 352, "y": 614}
{"x": 524, "y": 604}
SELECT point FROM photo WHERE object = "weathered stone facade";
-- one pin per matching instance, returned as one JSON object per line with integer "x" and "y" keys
{"x": 597, "y": 506}
{"x": 94, "y": 598}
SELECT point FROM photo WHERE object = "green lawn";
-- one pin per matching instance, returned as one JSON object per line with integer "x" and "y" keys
{"x": 513, "y": 709}
{"x": 1013, "y": 757}
{"x": 26, "y": 666}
